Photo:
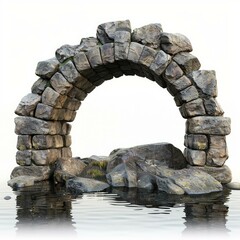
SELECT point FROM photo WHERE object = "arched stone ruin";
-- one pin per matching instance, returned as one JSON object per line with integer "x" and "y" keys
{"x": 43, "y": 127}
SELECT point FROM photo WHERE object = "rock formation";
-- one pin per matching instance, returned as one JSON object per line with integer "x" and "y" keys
{"x": 42, "y": 124}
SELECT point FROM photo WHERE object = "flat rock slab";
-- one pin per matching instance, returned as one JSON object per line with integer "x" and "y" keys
{"x": 233, "y": 185}
{"x": 80, "y": 185}
{"x": 22, "y": 181}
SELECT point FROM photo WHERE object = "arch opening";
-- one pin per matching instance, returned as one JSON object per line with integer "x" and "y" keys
{"x": 43, "y": 127}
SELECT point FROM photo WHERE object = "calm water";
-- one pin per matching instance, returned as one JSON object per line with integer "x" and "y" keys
{"x": 48, "y": 211}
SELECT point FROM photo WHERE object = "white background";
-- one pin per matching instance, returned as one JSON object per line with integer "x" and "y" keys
{"x": 130, "y": 110}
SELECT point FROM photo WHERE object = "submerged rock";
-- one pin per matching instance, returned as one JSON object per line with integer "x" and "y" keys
{"x": 80, "y": 185}
{"x": 233, "y": 185}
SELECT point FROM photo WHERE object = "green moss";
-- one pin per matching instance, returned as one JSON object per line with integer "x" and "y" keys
{"x": 101, "y": 164}
{"x": 95, "y": 173}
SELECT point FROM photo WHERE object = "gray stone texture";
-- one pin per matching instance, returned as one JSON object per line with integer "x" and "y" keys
{"x": 209, "y": 125}
{"x": 65, "y": 52}
{"x": 196, "y": 141}
{"x": 88, "y": 43}
{"x": 147, "y": 57}
{"x": 187, "y": 62}
{"x": 40, "y": 85}
{"x": 52, "y": 98}
{"x": 45, "y": 157}
{"x": 24, "y": 157}
{"x": 205, "y": 81}
{"x": 24, "y": 142}
{"x": 60, "y": 84}
{"x": 172, "y": 72}
{"x": 186, "y": 95}
{"x": 148, "y": 35}
{"x": 45, "y": 69}
{"x": 195, "y": 157}
{"x": 28, "y": 104}
{"x": 174, "y": 43}
{"x": 212, "y": 107}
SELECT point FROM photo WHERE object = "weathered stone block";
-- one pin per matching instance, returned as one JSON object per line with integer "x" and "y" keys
{"x": 193, "y": 108}
{"x": 39, "y": 86}
{"x": 77, "y": 94}
{"x": 179, "y": 84}
{"x": 186, "y": 95}
{"x": 65, "y": 52}
{"x": 122, "y": 37}
{"x": 106, "y": 31}
{"x": 81, "y": 62}
{"x": 212, "y": 107}
{"x": 60, "y": 84}
{"x": 23, "y": 158}
{"x": 209, "y": 125}
{"x": 53, "y": 98}
{"x": 46, "y": 112}
{"x": 195, "y": 157}
{"x": 24, "y": 142}
{"x": 160, "y": 62}
{"x": 45, "y": 69}
{"x": 196, "y": 141}
{"x": 217, "y": 153}
{"x": 205, "y": 81}
{"x": 83, "y": 84}
{"x": 32, "y": 126}
{"x": 69, "y": 72}
{"x": 67, "y": 140}
{"x": 41, "y": 142}
{"x": 187, "y": 62}
{"x": 172, "y": 72}
{"x": 45, "y": 157}
{"x": 107, "y": 53}
{"x": 72, "y": 104}
{"x": 147, "y": 57}
{"x": 135, "y": 51}
{"x": 66, "y": 129}
{"x": 148, "y": 35}
{"x": 28, "y": 104}
{"x": 94, "y": 57}
{"x": 121, "y": 51}
{"x": 66, "y": 152}
{"x": 88, "y": 43}
{"x": 174, "y": 43}
{"x": 67, "y": 115}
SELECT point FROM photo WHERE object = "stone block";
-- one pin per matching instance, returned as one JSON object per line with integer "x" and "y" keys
{"x": 81, "y": 62}
{"x": 187, "y": 62}
{"x": 39, "y": 86}
{"x": 172, "y": 72}
{"x": 148, "y": 35}
{"x": 65, "y": 52}
{"x": 45, "y": 69}
{"x": 107, "y": 53}
{"x": 178, "y": 85}
{"x": 84, "y": 84}
{"x": 60, "y": 84}
{"x": 94, "y": 57}
{"x": 69, "y": 71}
{"x": 106, "y": 31}
{"x": 196, "y": 141}
{"x": 205, "y": 81}
{"x": 46, "y": 112}
{"x": 72, "y": 104}
{"x": 67, "y": 139}
{"x": 217, "y": 153}
{"x": 88, "y": 43}
{"x": 66, "y": 129}
{"x": 41, "y": 142}
{"x": 160, "y": 62}
{"x": 77, "y": 94}
{"x": 147, "y": 57}
{"x": 66, "y": 152}
{"x": 195, "y": 157}
{"x": 212, "y": 107}
{"x": 67, "y": 115}
{"x": 193, "y": 108}
{"x": 174, "y": 43}
{"x": 209, "y": 125}
{"x": 24, "y": 142}
{"x": 186, "y": 95}
{"x": 53, "y": 98}
{"x": 28, "y": 104}
{"x": 23, "y": 158}
{"x": 121, "y": 51}
{"x": 32, "y": 126}
{"x": 45, "y": 157}
{"x": 135, "y": 51}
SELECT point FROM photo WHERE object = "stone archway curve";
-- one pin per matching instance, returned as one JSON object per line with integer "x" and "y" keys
{"x": 43, "y": 127}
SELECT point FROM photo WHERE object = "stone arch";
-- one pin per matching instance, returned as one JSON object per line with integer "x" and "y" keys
{"x": 43, "y": 127}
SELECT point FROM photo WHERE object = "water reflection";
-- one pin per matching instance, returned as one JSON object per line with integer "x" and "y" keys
{"x": 46, "y": 206}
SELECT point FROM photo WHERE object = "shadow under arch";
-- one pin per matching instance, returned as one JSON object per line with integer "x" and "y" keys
{"x": 43, "y": 127}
